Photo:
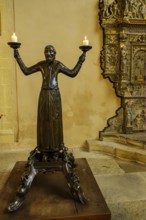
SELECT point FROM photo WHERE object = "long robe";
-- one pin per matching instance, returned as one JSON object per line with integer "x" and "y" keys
{"x": 49, "y": 121}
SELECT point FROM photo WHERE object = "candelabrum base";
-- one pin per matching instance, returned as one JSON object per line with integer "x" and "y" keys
{"x": 52, "y": 162}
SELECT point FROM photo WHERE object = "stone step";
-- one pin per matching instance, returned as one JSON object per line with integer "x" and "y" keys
{"x": 136, "y": 142}
{"x": 117, "y": 150}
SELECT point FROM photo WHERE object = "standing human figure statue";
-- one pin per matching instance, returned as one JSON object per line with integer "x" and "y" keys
{"x": 50, "y": 153}
{"x": 49, "y": 120}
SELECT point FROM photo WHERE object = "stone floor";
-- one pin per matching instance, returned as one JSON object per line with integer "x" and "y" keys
{"x": 123, "y": 183}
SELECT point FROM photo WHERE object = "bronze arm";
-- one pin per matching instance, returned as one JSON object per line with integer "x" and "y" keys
{"x": 26, "y": 70}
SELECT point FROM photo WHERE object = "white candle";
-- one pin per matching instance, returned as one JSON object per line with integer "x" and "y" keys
{"x": 85, "y": 41}
{"x": 14, "y": 38}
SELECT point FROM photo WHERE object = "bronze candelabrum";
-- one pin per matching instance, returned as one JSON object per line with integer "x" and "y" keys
{"x": 50, "y": 155}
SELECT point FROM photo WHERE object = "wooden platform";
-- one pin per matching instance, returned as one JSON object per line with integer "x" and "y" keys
{"x": 50, "y": 199}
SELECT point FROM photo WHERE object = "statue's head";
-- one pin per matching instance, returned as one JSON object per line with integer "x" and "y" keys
{"x": 50, "y": 53}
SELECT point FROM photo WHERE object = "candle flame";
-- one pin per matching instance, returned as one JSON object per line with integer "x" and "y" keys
{"x": 14, "y": 35}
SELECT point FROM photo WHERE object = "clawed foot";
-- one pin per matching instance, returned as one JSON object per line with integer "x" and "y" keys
{"x": 74, "y": 183}
{"x": 15, "y": 205}
{"x": 81, "y": 197}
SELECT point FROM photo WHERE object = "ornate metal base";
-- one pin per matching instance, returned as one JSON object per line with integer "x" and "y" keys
{"x": 48, "y": 162}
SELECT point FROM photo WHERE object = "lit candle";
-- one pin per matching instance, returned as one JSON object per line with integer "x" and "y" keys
{"x": 14, "y": 38}
{"x": 85, "y": 41}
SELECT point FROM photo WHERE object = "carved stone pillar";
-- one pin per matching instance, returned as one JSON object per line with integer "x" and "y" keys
{"x": 123, "y": 61}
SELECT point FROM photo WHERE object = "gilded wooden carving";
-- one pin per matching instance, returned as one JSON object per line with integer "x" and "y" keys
{"x": 123, "y": 61}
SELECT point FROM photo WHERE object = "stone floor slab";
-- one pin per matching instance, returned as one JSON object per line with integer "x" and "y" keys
{"x": 8, "y": 159}
{"x": 122, "y": 188}
{"x": 128, "y": 210}
{"x": 106, "y": 166}
{"x": 81, "y": 153}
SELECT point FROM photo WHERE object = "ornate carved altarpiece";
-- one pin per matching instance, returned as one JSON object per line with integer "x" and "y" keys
{"x": 123, "y": 61}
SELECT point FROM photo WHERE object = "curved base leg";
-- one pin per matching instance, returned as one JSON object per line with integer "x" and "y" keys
{"x": 16, "y": 204}
{"x": 73, "y": 179}
{"x": 23, "y": 188}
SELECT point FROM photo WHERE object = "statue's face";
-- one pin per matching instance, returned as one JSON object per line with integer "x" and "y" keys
{"x": 50, "y": 53}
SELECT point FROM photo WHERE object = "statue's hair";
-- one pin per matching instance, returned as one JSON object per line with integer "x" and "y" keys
{"x": 49, "y": 46}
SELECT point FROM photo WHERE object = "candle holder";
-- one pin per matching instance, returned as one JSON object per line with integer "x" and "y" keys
{"x": 85, "y": 48}
{"x": 14, "y": 45}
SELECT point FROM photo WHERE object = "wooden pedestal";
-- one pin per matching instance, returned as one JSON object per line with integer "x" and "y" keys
{"x": 49, "y": 197}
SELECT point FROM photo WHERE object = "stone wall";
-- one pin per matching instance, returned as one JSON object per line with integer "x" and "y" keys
{"x": 8, "y": 122}
{"x": 88, "y": 100}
